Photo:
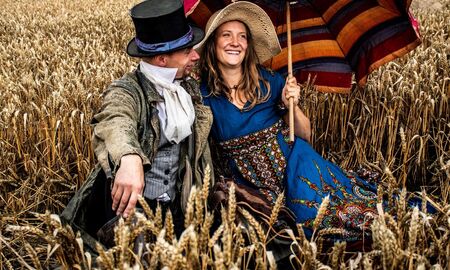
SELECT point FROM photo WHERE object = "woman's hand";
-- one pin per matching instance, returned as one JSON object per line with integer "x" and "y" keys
{"x": 291, "y": 89}
{"x": 302, "y": 126}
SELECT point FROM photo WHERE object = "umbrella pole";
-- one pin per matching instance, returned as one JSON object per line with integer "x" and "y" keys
{"x": 289, "y": 43}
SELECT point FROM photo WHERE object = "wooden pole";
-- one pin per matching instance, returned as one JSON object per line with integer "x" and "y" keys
{"x": 289, "y": 43}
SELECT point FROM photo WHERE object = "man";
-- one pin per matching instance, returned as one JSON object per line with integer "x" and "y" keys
{"x": 150, "y": 136}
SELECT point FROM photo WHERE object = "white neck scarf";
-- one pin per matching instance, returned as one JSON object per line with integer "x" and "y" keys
{"x": 177, "y": 111}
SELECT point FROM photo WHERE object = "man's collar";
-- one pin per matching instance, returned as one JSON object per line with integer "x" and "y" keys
{"x": 165, "y": 74}
{"x": 151, "y": 93}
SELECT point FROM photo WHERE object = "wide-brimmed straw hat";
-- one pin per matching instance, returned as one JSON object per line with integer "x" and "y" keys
{"x": 161, "y": 27}
{"x": 261, "y": 27}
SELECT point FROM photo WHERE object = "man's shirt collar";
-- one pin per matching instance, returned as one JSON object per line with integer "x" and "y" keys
{"x": 165, "y": 74}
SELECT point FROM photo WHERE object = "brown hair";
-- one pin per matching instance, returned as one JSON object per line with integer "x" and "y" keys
{"x": 249, "y": 83}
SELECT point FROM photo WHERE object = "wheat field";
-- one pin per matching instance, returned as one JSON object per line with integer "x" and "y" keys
{"x": 56, "y": 58}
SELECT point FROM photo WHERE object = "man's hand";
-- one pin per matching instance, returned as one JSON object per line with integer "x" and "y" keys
{"x": 128, "y": 184}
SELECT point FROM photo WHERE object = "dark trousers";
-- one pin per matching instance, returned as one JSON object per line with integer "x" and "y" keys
{"x": 105, "y": 234}
{"x": 175, "y": 208}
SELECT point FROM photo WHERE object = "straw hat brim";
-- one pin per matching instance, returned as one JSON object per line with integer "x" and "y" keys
{"x": 133, "y": 50}
{"x": 259, "y": 23}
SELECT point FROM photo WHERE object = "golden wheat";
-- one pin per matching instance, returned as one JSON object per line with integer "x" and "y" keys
{"x": 57, "y": 60}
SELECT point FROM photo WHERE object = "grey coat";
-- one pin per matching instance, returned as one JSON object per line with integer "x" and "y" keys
{"x": 122, "y": 127}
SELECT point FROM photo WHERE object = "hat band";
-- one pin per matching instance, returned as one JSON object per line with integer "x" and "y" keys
{"x": 165, "y": 46}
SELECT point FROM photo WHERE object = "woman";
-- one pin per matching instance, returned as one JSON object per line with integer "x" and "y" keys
{"x": 248, "y": 103}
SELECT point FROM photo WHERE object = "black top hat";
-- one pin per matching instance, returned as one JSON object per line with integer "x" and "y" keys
{"x": 161, "y": 27}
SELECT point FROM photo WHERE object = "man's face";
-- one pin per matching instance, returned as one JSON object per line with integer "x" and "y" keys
{"x": 184, "y": 60}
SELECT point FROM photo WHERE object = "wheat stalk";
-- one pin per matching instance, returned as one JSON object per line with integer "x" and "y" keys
{"x": 276, "y": 209}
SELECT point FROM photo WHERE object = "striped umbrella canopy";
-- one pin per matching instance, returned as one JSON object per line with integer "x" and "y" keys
{"x": 332, "y": 39}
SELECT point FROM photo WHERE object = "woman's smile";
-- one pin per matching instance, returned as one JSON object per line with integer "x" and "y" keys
{"x": 231, "y": 44}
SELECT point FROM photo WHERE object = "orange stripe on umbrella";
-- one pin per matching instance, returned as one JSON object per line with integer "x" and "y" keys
{"x": 308, "y": 50}
{"x": 354, "y": 29}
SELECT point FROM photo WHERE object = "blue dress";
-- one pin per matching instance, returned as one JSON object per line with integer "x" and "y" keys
{"x": 254, "y": 146}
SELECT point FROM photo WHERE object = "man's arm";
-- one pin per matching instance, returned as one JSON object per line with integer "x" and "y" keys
{"x": 116, "y": 142}
{"x": 128, "y": 184}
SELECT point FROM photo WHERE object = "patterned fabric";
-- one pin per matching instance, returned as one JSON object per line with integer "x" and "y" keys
{"x": 254, "y": 145}
{"x": 259, "y": 159}
{"x": 352, "y": 205}
{"x": 331, "y": 38}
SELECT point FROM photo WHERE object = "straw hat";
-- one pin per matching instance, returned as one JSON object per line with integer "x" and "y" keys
{"x": 261, "y": 27}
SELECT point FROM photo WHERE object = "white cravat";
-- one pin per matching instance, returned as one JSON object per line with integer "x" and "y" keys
{"x": 176, "y": 113}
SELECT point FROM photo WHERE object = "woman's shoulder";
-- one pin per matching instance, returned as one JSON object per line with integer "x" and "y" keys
{"x": 269, "y": 74}
{"x": 205, "y": 92}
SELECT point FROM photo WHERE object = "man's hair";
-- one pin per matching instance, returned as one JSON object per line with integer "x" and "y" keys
{"x": 148, "y": 59}
{"x": 250, "y": 78}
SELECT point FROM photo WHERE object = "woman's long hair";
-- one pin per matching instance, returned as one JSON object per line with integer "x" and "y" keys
{"x": 249, "y": 83}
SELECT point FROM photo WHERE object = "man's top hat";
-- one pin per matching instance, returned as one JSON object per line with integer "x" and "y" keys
{"x": 161, "y": 27}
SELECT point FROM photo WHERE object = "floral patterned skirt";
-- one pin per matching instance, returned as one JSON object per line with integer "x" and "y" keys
{"x": 266, "y": 161}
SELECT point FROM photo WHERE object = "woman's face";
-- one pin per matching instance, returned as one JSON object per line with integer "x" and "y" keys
{"x": 231, "y": 44}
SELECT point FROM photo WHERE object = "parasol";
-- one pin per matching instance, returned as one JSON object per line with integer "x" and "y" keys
{"x": 330, "y": 40}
